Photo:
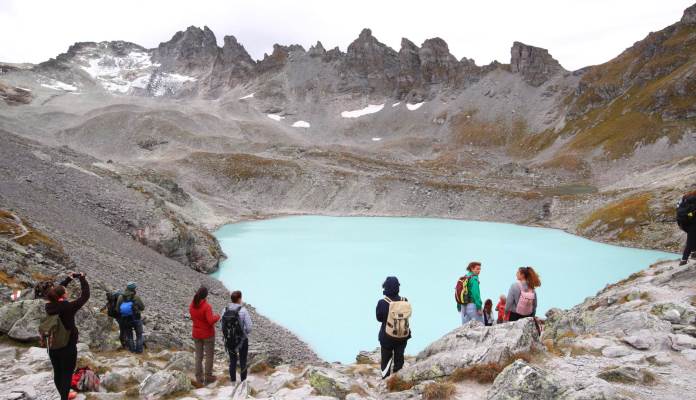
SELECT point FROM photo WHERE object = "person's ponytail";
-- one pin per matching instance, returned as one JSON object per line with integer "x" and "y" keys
{"x": 201, "y": 294}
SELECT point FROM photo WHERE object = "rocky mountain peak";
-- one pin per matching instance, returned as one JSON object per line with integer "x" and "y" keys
{"x": 535, "y": 64}
{"x": 689, "y": 16}
{"x": 234, "y": 52}
{"x": 192, "y": 51}
{"x": 370, "y": 59}
{"x": 275, "y": 60}
{"x": 437, "y": 64}
{"x": 317, "y": 50}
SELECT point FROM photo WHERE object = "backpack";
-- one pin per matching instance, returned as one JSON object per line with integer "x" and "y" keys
{"x": 686, "y": 212}
{"x": 126, "y": 308}
{"x": 461, "y": 290}
{"x": 112, "y": 304}
{"x": 85, "y": 380}
{"x": 525, "y": 304}
{"x": 52, "y": 333}
{"x": 397, "y": 319}
{"x": 232, "y": 333}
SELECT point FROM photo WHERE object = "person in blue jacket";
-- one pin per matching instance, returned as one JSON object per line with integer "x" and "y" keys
{"x": 392, "y": 349}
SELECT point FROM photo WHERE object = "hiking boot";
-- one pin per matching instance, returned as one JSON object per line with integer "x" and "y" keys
{"x": 683, "y": 262}
{"x": 197, "y": 384}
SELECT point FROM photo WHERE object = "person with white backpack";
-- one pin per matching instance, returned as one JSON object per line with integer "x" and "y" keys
{"x": 522, "y": 297}
{"x": 394, "y": 312}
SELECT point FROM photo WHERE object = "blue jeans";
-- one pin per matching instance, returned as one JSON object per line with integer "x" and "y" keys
{"x": 137, "y": 326}
{"x": 469, "y": 313}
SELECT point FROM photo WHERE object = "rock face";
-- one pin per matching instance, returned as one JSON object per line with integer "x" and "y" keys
{"x": 522, "y": 381}
{"x": 438, "y": 66}
{"x": 372, "y": 65}
{"x": 14, "y": 95}
{"x": 190, "y": 52}
{"x": 689, "y": 16}
{"x": 473, "y": 344}
{"x": 232, "y": 66}
{"x": 534, "y": 63}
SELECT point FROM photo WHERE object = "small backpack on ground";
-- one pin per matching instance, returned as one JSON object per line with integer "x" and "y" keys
{"x": 397, "y": 319}
{"x": 525, "y": 304}
{"x": 52, "y": 333}
{"x": 686, "y": 212}
{"x": 112, "y": 304}
{"x": 461, "y": 290}
{"x": 85, "y": 380}
{"x": 232, "y": 333}
{"x": 126, "y": 308}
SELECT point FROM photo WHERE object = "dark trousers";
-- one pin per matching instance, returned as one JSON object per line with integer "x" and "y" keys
{"x": 134, "y": 326}
{"x": 63, "y": 361}
{"x": 122, "y": 332}
{"x": 392, "y": 349}
{"x": 690, "y": 246}
{"x": 515, "y": 316}
{"x": 242, "y": 357}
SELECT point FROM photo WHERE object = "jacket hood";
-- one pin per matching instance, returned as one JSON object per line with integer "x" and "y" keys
{"x": 391, "y": 286}
{"x": 129, "y": 292}
{"x": 52, "y": 308}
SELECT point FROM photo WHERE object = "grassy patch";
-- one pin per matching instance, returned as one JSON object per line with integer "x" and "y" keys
{"x": 396, "y": 383}
{"x": 486, "y": 373}
{"x": 242, "y": 167}
{"x": 623, "y": 216}
{"x": 439, "y": 391}
{"x": 261, "y": 368}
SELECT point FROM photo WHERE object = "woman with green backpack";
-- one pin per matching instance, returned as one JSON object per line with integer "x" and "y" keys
{"x": 59, "y": 333}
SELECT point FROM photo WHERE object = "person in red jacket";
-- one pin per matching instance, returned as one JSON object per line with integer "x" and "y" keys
{"x": 502, "y": 315}
{"x": 204, "y": 321}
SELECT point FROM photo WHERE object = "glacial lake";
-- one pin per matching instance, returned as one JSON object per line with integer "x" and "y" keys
{"x": 321, "y": 277}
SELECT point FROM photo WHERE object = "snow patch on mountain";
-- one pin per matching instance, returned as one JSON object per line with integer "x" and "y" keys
{"x": 301, "y": 124}
{"x": 58, "y": 85}
{"x": 370, "y": 109}
{"x": 414, "y": 107}
{"x": 275, "y": 117}
{"x": 396, "y": 104}
{"x": 247, "y": 96}
{"x": 376, "y": 139}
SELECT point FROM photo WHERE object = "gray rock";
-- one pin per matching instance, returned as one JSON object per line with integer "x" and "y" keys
{"x": 28, "y": 312}
{"x": 615, "y": 351}
{"x": 681, "y": 342}
{"x": 181, "y": 361}
{"x": 523, "y": 381}
{"x": 472, "y": 344}
{"x": 164, "y": 383}
{"x": 328, "y": 382}
{"x": 114, "y": 381}
{"x": 672, "y": 315}
{"x": 369, "y": 357}
{"x": 640, "y": 342}
{"x": 534, "y": 64}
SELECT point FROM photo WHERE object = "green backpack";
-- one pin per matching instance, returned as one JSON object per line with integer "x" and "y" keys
{"x": 52, "y": 333}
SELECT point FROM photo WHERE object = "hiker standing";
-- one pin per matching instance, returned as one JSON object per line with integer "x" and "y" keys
{"x": 130, "y": 305}
{"x": 393, "y": 312}
{"x": 522, "y": 299}
{"x": 503, "y": 316}
{"x": 468, "y": 294}
{"x": 204, "y": 321}
{"x": 686, "y": 219}
{"x": 488, "y": 312}
{"x": 236, "y": 327}
{"x": 60, "y": 334}
{"x": 112, "y": 311}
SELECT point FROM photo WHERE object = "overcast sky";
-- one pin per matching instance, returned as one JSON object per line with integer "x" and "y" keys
{"x": 577, "y": 33}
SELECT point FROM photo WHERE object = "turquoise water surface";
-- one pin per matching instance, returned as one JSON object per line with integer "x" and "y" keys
{"x": 321, "y": 277}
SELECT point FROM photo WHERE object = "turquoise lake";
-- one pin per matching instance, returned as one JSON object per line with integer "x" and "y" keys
{"x": 321, "y": 277}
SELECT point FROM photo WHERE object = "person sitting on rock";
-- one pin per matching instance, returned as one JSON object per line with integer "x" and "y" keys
{"x": 522, "y": 299}
{"x": 488, "y": 312}
{"x": 64, "y": 358}
{"x": 236, "y": 327}
{"x": 503, "y": 316}
{"x": 130, "y": 306}
{"x": 393, "y": 312}
{"x": 686, "y": 219}
{"x": 204, "y": 321}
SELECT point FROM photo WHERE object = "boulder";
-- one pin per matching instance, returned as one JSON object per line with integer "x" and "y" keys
{"x": 328, "y": 382}
{"x": 369, "y": 357}
{"x": 473, "y": 344}
{"x": 181, "y": 361}
{"x": 523, "y": 381}
{"x": 681, "y": 342}
{"x": 114, "y": 381}
{"x": 164, "y": 383}
{"x": 627, "y": 374}
{"x": 615, "y": 351}
{"x": 20, "y": 320}
{"x": 640, "y": 341}
{"x": 279, "y": 380}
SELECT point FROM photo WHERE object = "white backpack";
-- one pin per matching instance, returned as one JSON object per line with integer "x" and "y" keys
{"x": 397, "y": 319}
{"x": 525, "y": 304}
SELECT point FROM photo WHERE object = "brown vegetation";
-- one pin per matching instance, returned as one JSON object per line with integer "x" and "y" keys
{"x": 397, "y": 384}
{"x": 439, "y": 391}
{"x": 623, "y": 217}
{"x": 486, "y": 373}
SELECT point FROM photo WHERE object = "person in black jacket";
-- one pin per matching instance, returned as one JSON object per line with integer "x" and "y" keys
{"x": 392, "y": 349}
{"x": 64, "y": 359}
{"x": 688, "y": 225}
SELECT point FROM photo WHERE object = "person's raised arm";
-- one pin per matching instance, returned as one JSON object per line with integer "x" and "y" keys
{"x": 84, "y": 293}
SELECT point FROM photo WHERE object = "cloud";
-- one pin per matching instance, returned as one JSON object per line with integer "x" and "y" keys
{"x": 576, "y": 33}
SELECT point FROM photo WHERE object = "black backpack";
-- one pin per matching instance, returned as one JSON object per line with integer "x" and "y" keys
{"x": 232, "y": 332}
{"x": 111, "y": 304}
{"x": 686, "y": 212}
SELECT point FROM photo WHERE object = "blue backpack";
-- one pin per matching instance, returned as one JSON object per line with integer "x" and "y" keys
{"x": 126, "y": 308}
